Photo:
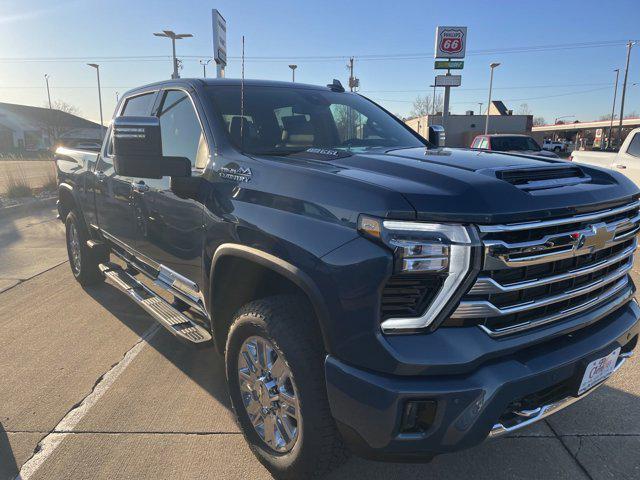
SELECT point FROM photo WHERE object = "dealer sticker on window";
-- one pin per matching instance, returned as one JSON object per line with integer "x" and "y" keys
{"x": 598, "y": 371}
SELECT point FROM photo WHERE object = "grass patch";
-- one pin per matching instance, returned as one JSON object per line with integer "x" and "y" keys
{"x": 51, "y": 183}
{"x": 17, "y": 185}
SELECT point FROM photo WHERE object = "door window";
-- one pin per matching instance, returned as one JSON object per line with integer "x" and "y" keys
{"x": 634, "y": 146}
{"x": 182, "y": 135}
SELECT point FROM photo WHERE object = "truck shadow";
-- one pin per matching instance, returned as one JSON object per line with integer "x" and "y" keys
{"x": 535, "y": 452}
{"x": 8, "y": 465}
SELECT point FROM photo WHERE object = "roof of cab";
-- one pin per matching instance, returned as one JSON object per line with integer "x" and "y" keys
{"x": 223, "y": 82}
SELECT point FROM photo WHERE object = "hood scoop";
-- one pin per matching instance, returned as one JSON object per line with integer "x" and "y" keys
{"x": 540, "y": 178}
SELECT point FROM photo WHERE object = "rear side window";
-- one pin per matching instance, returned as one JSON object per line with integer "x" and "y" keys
{"x": 484, "y": 143}
{"x": 634, "y": 146}
{"x": 139, "y": 106}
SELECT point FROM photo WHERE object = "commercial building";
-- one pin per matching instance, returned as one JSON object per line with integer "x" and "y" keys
{"x": 461, "y": 129}
{"x": 29, "y": 129}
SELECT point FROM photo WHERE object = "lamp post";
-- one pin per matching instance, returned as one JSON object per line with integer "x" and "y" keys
{"x": 293, "y": 72}
{"x": 46, "y": 79}
{"x": 480, "y": 108}
{"x": 173, "y": 36}
{"x": 486, "y": 123}
{"x": 204, "y": 67}
{"x": 97, "y": 67}
{"x": 613, "y": 107}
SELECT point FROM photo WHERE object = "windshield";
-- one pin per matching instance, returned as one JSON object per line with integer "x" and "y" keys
{"x": 506, "y": 144}
{"x": 278, "y": 120}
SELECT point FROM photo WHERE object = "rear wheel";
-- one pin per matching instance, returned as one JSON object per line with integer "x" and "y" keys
{"x": 275, "y": 371}
{"x": 556, "y": 149}
{"x": 84, "y": 262}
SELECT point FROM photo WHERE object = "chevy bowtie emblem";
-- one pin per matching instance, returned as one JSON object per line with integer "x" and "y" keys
{"x": 595, "y": 238}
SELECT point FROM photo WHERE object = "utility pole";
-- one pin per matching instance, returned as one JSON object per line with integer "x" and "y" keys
{"x": 97, "y": 67}
{"x": 204, "y": 67}
{"x": 173, "y": 36}
{"x": 624, "y": 90}
{"x": 486, "y": 123}
{"x": 613, "y": 108}
{"x": 293, "y": 72}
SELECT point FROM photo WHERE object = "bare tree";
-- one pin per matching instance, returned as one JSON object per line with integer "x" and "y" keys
{"x": 424, "y": 105}
{"x": 524, "y": 109}
{"x": 537, "y": 121}
{"x": 66, "y": 107}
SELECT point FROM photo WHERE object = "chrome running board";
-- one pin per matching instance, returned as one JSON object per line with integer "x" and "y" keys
{"x": 173, "y": 320}
{"x": 529, "y": 417}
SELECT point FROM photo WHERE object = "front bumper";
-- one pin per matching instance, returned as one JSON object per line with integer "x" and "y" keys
{"x": 470, "y": 407}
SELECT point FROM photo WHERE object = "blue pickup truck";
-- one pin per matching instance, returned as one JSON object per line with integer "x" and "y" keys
{"x": 370, "y": 290}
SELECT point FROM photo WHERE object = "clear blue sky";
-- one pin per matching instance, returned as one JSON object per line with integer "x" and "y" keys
{"x": 547, "y": 81}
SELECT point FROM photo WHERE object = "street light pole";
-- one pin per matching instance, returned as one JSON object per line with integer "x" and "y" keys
{"x": 46, "y": 79}
{"x": 293, "y": 72}
{"x": 624, "y": 90}
{"x": 480, "y": 108}
{"x": 173, "y": 36}
{"x": 613, "y": 107}
{"x": 486, "y": 123}
{"x": 97, "y": 67}
{"x": 204, "y": 67}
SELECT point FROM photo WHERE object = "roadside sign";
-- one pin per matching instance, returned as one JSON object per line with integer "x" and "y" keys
{"x": 448, "y": 65}
{"x": 219, "y": 38}
{"x": 448, "y": 80}
{"x": 450, "y": 42}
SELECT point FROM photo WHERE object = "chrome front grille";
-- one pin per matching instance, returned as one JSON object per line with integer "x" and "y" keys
{"x": 540, "y": 272}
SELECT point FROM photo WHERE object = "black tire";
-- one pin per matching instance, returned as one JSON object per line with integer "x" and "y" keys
{"x": 85, "y": 266}
{"x": 287, "y": 324}
{"x": 556, "y": 149}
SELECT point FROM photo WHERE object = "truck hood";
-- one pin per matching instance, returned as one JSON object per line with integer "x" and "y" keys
{"x": 486, "y": 187}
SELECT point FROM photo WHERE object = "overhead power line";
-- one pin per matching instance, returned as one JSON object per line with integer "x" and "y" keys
{"x": 322, "y": 58}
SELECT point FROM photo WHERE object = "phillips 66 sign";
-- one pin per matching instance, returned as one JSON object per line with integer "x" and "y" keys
{"x": 450, "y": 42}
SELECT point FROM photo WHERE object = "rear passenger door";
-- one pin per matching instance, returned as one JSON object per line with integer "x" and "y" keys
{"x": 169, "y": 233}
{"x": 112, "y": 191}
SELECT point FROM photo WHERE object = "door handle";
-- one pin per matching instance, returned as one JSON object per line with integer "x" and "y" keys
{"x": 140, "y": 186}
{"x": 621, "y": 166}
{"x": 100, "y": 175}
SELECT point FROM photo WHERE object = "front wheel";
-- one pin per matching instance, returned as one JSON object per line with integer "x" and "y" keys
{"x": 84, "y": 262}
{"x": 275, "y": 371}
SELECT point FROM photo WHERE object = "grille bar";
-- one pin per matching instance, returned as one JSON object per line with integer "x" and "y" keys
{"x": 615, "y": 303}
{"x": 486, "y": 285}
{"x": 586, "y": 217}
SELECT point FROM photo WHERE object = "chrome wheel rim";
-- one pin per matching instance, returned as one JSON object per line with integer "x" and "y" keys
{"x": 269, "y": 394}
{"x": 74, "y": 247}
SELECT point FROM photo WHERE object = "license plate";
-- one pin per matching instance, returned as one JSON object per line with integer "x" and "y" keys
{"x": 598, "y": 371}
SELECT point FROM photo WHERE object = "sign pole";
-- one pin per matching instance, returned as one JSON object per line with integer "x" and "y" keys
{"x": 219, "y": 25}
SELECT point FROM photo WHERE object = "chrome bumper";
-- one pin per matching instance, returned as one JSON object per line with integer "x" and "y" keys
{"x": 529, "y": 417}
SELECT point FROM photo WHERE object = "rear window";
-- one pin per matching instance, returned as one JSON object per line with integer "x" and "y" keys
{"x": 506, "y": 144}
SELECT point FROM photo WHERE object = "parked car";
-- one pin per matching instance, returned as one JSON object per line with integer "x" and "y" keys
{"x": 367, "y": 289}
{"x": 501, "y": 142}
{"x": 554, "y": 146}
{"x": 625, "y": 160}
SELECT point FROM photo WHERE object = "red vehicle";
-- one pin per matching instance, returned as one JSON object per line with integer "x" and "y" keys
{"x": 510, "y": 143}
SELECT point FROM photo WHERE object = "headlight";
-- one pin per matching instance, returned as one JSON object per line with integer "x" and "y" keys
{"x": 441, "y": 250}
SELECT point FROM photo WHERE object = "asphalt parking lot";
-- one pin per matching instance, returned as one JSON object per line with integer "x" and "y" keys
{"x": 91, "y": 388}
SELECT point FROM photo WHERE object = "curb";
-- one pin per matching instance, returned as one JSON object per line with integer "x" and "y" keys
{"x": 28, "y": 207}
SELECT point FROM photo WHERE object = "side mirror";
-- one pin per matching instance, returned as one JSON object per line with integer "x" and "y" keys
{"x": 436, "y": 135}
{"x": 137, "y": 150}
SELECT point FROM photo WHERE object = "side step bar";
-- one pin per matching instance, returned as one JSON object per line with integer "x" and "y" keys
{"x": 172, "y": 319}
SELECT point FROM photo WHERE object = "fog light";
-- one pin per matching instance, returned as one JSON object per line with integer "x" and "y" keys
{"x": 418, "y": 416}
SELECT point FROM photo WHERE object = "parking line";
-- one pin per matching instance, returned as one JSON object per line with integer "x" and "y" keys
{"x": 51, "y": 441}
